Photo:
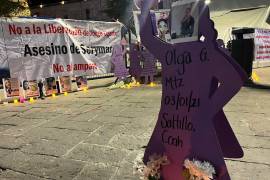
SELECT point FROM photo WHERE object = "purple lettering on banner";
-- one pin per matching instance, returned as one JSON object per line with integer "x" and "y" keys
{"x": 198, "y": 80}
{"x": 149, "y": 66}
{"x": 135, "y": 69}
{"x": 120, "y": 70}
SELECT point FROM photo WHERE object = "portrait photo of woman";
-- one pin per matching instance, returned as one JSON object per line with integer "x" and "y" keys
{"x": 162, "y": 23}
{"x": 184, "y": 21}
{"x": 187, "y": 24}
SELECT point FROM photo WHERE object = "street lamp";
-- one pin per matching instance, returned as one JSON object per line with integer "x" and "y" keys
{"x": 207, "y": 2}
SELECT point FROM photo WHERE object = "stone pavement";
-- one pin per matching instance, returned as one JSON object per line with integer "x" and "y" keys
{"x": 263, "y": 75}
{"x": 98, "y": 134}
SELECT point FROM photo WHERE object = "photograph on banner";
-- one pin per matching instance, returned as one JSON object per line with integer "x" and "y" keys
{"x": 50, "y": 86}
{"x": 30, "y": 89}
{"x": 184, "y": 21}
{"x": 65, "y": 84}
{"x": 11, "y": 87}
{"x": 81, "y": 82}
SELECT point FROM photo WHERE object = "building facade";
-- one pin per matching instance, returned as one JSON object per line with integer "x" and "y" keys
{"x": 75, "y": 9}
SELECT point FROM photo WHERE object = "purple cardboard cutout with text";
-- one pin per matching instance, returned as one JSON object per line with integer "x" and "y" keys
{"x": 192, "y": 98}
{"x": 229, "y": 144}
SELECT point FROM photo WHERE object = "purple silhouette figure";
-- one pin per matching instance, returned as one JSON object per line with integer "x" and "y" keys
{"x": 149, "y": 66}
{"x": 191, "y": 98}
{"x": 222, "y": 47}
{"x": 229, "y": 144}
{"x": 120, "y": 70}
{"x": 135, "y": 58}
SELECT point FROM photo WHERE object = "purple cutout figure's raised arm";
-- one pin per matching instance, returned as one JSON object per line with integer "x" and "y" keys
{"x": 185, "y": 129}
{"x": 228, "y": 142}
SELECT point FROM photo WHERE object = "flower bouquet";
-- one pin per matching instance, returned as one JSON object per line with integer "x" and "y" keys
{"x": 152, "y": 170}
{"x": 197, "y": 170}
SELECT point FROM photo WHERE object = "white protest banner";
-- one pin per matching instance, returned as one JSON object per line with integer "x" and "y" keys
{"x": 3, "y": 54}
{"x": 41, "y": 48}
{"x": 262, "y": 45}
{"x": 136, "y": 16}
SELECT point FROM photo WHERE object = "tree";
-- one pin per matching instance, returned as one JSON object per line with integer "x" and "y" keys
{"x": 116, "y": 9}
{"x": 121, "y": 10}
{"x": 11, "y": 8}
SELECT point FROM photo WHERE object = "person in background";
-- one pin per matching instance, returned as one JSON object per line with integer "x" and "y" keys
{"x": 40, "y": 86}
